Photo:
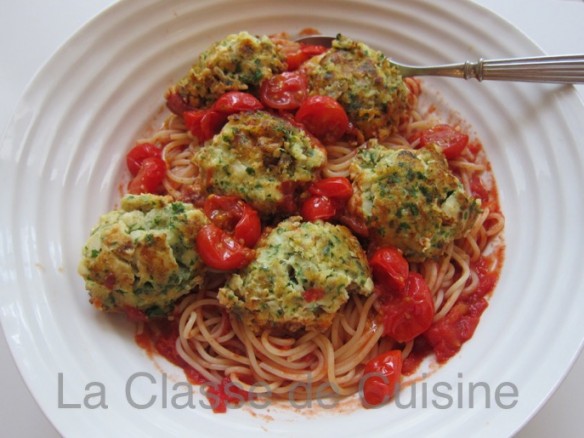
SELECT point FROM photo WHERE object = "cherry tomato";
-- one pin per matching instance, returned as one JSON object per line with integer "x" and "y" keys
{"x": 177, "y": 104}
{"x": 138, "y": 154}
{"x": 390, "y": 269}
{"x": 410, "y": 314}
{"x": 318, "y": 208}
{"x": 204, "y": 124}
{"x": 284, "y": 91}
{"x": 447, "y": 335}
{"x": 380, "y": 378}
{"x": 235, "y": 217}
{"x": 324, "y": 117}
{"x": 451, "y": 141}
{"x": 313, "y": 294}
{"x": 478, "y": 189}
{"x": 149, "y": 176}
{"x": 356, "y": 225}
{"x": 303, "y": 54}
{"x": 249, "y": 227}
{"x": 235, "y": 102}
{"x": 334, "y": 187}
{"x": 221, "y": 251}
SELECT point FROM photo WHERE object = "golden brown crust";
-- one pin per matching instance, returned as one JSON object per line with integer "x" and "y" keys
{"x": 236, "y": 63}
{"x": 410, "y": 199}
{"x": 143, "y": 255}
{"x": 364, "y": 82}
{"x": 292, "y": 258}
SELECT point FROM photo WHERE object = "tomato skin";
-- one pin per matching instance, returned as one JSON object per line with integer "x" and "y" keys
{"x": 284, "y": 91}
{"x": 235, "y": 217}
{"x": 487, "y": 278}
{"x": 304, "y": 53}
{"x": 447, "y": 335}
{"x": 136, "y": 156}
{"x": 204, "y": 124}
{"x": 390, "y": 269}
{"x": 313, "y": 294}
{"x": 177, "y": 105}
{"x": 149, "y": 176}
{"x": 221, "y": 251}
{"x": 324, "y": 117}
{"x": 451, "y": 141}
{"x": 249, "y": 228}
{"x": 224, "y": 211}
{"x": 236, "y": 101}
{"x": 478, "y": 189}
{"x": 334, "y": 187}
{"x": 318, "y": 208}
{"x": 380, "y": 378}
{"x": 411, "y": 314}
{"x": 356, "y": 225}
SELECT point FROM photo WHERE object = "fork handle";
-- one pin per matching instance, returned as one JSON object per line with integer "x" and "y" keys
{"x": 565, "y": 69}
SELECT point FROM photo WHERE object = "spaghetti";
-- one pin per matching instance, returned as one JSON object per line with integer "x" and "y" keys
{"x": 213, "y": 344}
{"x": 218, "y": 345}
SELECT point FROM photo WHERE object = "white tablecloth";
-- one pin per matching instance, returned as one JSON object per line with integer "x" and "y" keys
{"x": 31, "y": 30}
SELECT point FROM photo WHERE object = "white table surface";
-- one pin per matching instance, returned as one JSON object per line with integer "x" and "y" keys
{"x": 31, "y": 30}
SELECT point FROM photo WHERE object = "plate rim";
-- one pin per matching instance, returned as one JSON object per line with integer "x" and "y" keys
{"x": 9, "y": 323}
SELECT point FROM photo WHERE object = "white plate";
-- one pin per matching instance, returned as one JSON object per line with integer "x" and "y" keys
{"x": 62, "y": 160}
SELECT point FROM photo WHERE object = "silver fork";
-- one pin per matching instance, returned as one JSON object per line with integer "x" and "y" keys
{"x": 563, "y": 69}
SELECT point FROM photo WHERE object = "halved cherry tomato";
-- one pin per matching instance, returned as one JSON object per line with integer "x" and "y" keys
{"x": 334, "y": 187}
{"x": 410, "y": 314}
{"x": 224, "y": 211}
{"x": 390, "y": 270}
{"x": 149, "y": 176}
{"x": 313, "y": 294}
{"x": 318, "y": 208}
{"x": 235, "y": 217}
{"x": 204, "y": 124}
{"x": 380, "y": 378}
{"x": 303, "y": 54}
{"x": 324, "y": 117}
{"x": 284, "y": 91}
{"x": 235, "y": 102}
{"x": 138, "y": 154}
{"x": 249, "y": 227}
{"x": 451, "y": 141}
{"x": 221, "y": 251}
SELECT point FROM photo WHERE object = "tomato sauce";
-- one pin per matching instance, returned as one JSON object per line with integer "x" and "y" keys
{"x": 226, "y": 394}
{"x": 443, "y": 339}
{"x": 159, "y": 337}
{"x": 446, "y": 336}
